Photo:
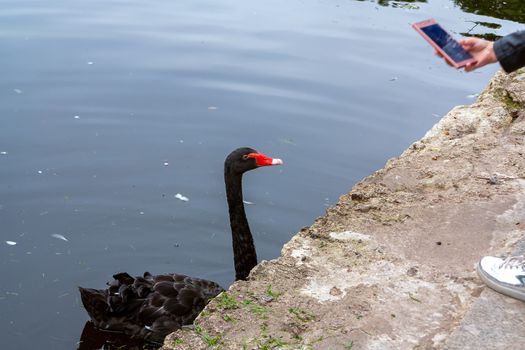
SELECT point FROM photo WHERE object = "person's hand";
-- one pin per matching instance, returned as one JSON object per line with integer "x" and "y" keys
{"x": 482, "y": 51}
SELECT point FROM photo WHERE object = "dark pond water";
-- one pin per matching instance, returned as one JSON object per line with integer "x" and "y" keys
{"x": 109, "y": 109}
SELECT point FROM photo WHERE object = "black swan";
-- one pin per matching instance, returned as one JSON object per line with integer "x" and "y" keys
{"x": 150, "y": 307}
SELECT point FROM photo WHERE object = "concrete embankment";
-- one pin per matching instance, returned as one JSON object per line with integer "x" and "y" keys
{"x": 392, "y": 264}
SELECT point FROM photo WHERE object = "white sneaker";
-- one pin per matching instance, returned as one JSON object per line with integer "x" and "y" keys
{"x": 506, "y": 276}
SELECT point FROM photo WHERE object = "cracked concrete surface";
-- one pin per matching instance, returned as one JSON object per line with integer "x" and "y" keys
{"x": 392, "y": 264}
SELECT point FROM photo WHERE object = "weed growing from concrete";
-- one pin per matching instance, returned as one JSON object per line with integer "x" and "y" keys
{"x": 226, "y": 301}
{"x": 210, "y": 340}
{"x": 177, "y": 341}
{"x": 301, "y": 315}
{"x": 270, "y": 294}
{"x": 227, "y": 318}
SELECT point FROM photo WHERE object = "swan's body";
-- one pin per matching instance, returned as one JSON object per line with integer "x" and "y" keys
{"x": 150, "y": 307}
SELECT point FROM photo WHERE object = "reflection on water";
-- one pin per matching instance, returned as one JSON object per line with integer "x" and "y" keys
{"x": 94, "y": 339}
{"x": 479, "y": 30}
{"x": 512, "y": 10}
{"x": 398, "y": 4}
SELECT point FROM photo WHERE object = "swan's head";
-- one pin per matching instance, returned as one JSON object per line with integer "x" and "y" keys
{"x": 243, "y": 159}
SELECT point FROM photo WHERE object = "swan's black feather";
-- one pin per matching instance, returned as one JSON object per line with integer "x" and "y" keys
{"x": 148, "y": 307}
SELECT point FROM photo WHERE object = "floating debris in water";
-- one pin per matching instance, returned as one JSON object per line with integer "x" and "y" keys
{"x": 288, "y": 141}
{"x": 488, "y": 25}
{"x": 247, "y": 203}
{"x": 181, "y": 197}
{"x": 18, "y": 91}
{"x": 59, "y": 236}
{"x": 393, "y": 79}
{"x": 166, "y": 163}
{"x": 405, "y": 6}
{"x": 90, "y": 63}
{"x": 76, "y": 117}
{"x": 4, "y": 153}
{"x": 212, "y": 108}
{"x": 141, "y": 213}
{"x": 10, "y": 242}
{"x": 40, "y": 171}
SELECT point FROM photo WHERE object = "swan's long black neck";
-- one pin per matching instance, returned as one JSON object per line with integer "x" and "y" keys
{"x": 244, "y": 255}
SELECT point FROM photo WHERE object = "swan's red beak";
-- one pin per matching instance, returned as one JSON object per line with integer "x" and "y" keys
{"x": 262, "y": 160}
